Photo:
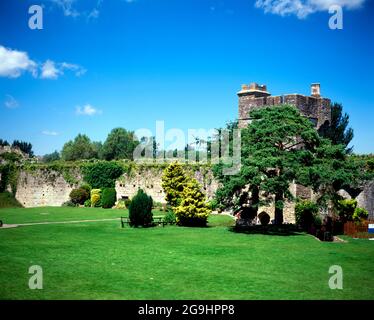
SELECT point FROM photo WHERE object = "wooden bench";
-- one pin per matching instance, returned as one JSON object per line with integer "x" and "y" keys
{"x": 156, "y": 220}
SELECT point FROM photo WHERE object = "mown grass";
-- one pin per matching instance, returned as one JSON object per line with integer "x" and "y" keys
{"x": 100, "y": 260}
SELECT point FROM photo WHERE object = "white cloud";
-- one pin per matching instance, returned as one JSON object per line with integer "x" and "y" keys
{"x": 302, "y": 8}
{"x": 79, "y": 70}
{"x": 10, "y": 102}
{"x": 87, "y": 110}
{"x": 67, "y": 7}
{"x": 50, "y": 133}
{"x": 13, "y": 63}
{"x": 49, "y": 70}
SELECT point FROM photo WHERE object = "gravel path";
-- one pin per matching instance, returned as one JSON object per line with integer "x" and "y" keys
{"x": 7, "y": 226}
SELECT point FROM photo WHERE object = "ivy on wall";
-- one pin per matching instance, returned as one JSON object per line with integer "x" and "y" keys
{"x": 9, "y": 177}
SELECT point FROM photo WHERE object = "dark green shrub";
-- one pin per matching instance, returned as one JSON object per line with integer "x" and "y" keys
{"x": 102, "y": 174}
{"x": 306, "y": 213}
{"x": 69, "y": 204}
{"x": 140, "y": 210}
{"x": 127, "y": 203}
{"x": 170, "y": 217}
{"x": 87, "y": 203}
{"x": 108, "y": 198}
{"x": 79, "y": 196}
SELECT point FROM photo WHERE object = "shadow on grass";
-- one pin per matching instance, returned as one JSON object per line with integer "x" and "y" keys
{"x": 271, "y": 230}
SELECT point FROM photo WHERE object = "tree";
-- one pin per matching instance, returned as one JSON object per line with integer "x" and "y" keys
{"x": 140, "y": 209}
{"x": 4, "y": 143}
{"x": 192, "y": 210}
{"x": 174, "y": 180}
{"x": 337, "y": 131}
{"x": 120, "y": 144}
{"x": 79, "y": 148}
{"x": 25, "y": 147}
{"x": 54, "y": 156}
{"x": 275, "y": 145}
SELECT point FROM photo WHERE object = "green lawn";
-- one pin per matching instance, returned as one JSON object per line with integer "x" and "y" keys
{"x": 99, "y": 260}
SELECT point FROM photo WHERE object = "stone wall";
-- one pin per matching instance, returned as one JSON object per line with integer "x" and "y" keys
{"x": 49, "y": 188}
{"x": 150, "y": 181}
{"x": 366, "y": 198}
{"x": 43, "y": 188}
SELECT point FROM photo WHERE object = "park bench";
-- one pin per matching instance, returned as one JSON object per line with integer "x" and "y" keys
{"x": 156, "y": 220}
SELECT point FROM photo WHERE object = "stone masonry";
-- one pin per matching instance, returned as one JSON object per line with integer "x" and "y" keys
{"x": 255, "y": 96}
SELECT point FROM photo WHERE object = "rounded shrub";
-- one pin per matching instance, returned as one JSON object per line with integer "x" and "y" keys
{"x": 108, "y": 198}
{"x": 96, "y": 198}
{"x": 87, "y": 203}
{"x": 79, "y": 196}
{"x": 140, "y": 209}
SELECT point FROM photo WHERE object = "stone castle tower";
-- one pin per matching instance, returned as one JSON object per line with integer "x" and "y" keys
{"x": 254, "y": 96}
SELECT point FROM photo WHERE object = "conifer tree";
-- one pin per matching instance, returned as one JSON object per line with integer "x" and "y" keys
{"x": 192, "y": 210}
{"x": 174, "y": 180}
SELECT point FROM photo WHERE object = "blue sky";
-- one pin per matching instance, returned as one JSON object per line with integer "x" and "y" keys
{"x": 101, "y": 64}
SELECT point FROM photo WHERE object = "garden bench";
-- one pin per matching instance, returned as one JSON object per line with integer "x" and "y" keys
{"x": 156, "y": 220}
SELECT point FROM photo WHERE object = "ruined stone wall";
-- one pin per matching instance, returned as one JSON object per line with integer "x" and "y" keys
{"x": 150, "y": 181}
{"x": 43, "y": 188}
{"x": 50, "y": 188}
{"x": 366, "y": 199}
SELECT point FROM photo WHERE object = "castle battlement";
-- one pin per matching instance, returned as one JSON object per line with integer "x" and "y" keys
{"x": 254, "y": 96}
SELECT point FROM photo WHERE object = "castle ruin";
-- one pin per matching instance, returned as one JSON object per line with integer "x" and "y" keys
{"x": 254, "y": 96}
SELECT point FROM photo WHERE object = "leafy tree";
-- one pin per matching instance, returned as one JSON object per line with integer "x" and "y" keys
{"x": 25, "y": 147}
{"x": 330, "y": 170}
{"x": 102, "y": 174}
{"x": 79, "y": 148}
{"x": 120, "y": 144}
{"x": 337, "y": 131}
{"x": 193, "y": 209}
{"x": 54, "y": 156}
{"x": 174, "y": 180}
{"x": 275, "y": 146}
{"x": 140, "y": 209}
{"x": 277, "y": 143}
